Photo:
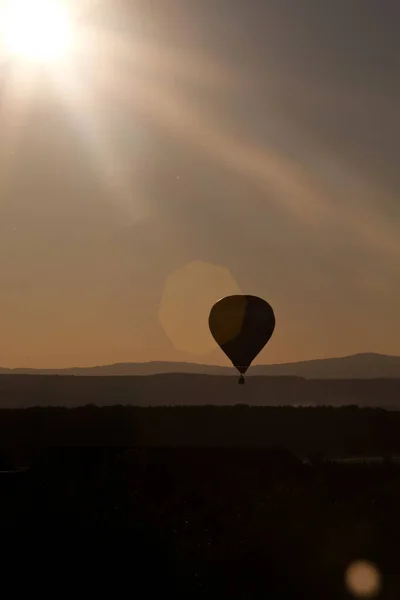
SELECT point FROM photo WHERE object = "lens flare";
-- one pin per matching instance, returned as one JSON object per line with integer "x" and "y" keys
{"x": 363, "y": 579}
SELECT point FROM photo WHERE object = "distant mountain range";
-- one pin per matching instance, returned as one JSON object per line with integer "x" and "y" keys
{"x": 357, "y": 366}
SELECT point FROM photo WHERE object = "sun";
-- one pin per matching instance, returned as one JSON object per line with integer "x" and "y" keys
{"x": 36, "y": 30}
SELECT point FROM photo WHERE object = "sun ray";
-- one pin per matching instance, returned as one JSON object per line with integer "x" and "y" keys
{"x": 16, "y": 95}
{"x": 299, "y": 190}
{"x": 108, "y": 164}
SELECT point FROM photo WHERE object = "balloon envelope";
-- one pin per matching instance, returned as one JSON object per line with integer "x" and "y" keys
{"x": 241, "y": 326}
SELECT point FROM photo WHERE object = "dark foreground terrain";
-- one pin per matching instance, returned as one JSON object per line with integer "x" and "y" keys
{"x": 92, "y": 513}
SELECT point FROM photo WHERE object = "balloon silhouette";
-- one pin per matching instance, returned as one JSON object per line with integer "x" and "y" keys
{"x": 241, "y": 326}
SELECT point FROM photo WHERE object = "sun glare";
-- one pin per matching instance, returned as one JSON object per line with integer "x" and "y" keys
{"x": 36, "y": 30}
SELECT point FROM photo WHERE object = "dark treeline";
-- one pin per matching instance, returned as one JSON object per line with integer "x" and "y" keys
{"x": 305, "y": 432}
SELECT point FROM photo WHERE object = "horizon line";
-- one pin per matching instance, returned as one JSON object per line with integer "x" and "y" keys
{"x": 183, "y": 362}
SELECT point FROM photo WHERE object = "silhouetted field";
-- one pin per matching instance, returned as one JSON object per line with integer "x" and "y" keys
{"x": 205, "y": 502}
{"x": 202, "y": 523}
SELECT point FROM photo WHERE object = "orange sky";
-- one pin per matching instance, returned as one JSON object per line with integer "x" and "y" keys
{"x": 190, "y": 154}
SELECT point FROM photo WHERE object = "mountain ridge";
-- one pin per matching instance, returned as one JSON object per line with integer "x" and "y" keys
{"x": 367, "y": 365}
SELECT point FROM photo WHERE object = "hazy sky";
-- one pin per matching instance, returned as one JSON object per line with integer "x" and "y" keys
{"x": 192, "y": 149}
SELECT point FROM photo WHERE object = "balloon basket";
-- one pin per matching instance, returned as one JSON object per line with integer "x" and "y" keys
{"x": 241, "y": 380}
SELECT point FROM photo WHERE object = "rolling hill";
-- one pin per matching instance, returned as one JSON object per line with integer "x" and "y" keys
{"x": 358, "y": 366}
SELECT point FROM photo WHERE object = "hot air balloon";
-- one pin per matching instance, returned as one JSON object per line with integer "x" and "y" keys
{"x": 241, "y": 325}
